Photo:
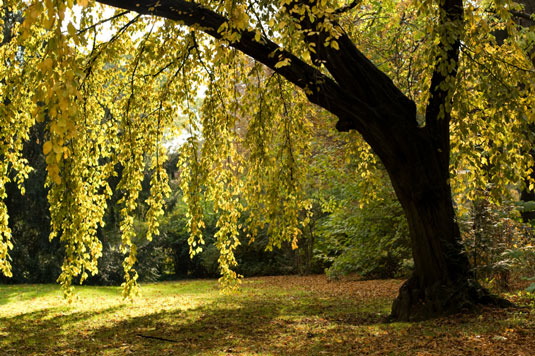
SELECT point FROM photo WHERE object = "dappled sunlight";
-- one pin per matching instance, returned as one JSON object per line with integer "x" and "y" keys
{"x": 268, "y": 316}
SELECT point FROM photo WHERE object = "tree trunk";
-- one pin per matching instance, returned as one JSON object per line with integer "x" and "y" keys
{"x": 417, "y": 161}
{"x": 442, "y": 281}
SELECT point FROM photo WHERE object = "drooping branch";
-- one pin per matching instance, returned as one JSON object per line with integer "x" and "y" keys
{"x": 523, "y": 15}
{"x": 81, "y": 31}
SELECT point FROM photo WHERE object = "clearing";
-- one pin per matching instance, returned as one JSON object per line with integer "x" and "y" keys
{"x": 287, "y": 315}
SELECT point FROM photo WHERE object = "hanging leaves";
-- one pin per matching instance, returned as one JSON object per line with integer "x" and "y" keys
{"x": 113, "y": 88}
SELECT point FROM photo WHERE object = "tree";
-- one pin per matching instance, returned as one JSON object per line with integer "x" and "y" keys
{"x": 311, "y": 44}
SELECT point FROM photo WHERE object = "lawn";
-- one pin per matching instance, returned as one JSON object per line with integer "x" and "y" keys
{"x": 267, "y": 316}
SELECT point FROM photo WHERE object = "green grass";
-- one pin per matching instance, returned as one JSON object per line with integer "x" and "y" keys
{"x": 268, "y": 316}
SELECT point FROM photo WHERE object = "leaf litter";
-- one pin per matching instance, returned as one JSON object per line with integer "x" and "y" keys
{"x": 283, "y": 315}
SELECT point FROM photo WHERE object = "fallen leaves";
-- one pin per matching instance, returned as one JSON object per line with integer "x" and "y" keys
{"x": 287, "y": 315}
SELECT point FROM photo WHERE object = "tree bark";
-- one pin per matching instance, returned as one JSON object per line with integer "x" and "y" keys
{"x": 416, "y": 158}
{"x": 442, "y": 281}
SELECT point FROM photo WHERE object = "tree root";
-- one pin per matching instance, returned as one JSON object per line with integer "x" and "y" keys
{"x": 415, "y": 302}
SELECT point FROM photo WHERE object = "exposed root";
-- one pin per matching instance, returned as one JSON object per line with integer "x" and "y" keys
{"x": 415, "y": 302}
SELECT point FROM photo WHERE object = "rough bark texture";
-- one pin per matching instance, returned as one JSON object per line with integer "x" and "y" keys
{"x": 416, "y": 158}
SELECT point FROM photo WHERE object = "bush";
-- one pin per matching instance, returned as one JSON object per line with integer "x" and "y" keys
{"x": 372, "y": 241}
{"x": 497, "y": 243}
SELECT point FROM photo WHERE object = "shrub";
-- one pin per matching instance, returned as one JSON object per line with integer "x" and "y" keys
{"x": 497, "y": 243}
{"x": 372, "y": 241}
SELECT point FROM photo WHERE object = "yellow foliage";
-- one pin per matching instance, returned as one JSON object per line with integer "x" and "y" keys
{"x": 112, "y": 100}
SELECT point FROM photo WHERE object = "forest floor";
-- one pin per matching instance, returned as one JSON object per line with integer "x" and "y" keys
{"x": 288, "y": 315}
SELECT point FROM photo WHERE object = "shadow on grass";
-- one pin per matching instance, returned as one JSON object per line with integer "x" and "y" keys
{"x": 47, "y": 331}
{"x": 226, "y": 325}
{"x": 246, "y": 324}
{"x": 256, "y": 327}
{"x": 23, "y": 292}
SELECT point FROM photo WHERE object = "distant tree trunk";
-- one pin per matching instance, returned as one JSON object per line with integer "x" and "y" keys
{"x": 305, "y": 253}
{"x": 181, "y": 261}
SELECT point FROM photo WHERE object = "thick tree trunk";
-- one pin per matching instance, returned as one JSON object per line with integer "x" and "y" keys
{"x": 417, "y": 160}
{"x": 442, "y": 281}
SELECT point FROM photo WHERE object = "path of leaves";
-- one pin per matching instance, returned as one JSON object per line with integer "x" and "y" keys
{"x": 288, "y": 315}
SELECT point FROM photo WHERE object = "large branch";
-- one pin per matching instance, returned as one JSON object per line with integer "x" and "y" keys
{"x": 320, "y": 89}
{"x": 437, "y": 116}
{"x": 350, "y": 67}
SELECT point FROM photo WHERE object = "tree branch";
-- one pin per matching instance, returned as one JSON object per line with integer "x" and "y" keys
{"x": 351, "y": 69}
{"x": 522, "y": 15}
{"x": 319, "y": 88}
{"x": 102, "y": 22}
{"x": 437, "y": 115}
{"x": 156, "y": 338}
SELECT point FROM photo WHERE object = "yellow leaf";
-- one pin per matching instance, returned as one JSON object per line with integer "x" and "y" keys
{"x": 284, "y": 62}
{"x": 257, "y": 36}
{"x": 49, "y": 22}
{"x": 58, "y": 149}
{"x": 71, "y": 29}
{"x": 56, "y": 179}
{"x": 34, "y": 12}
{"x": 47, "y": 147}
{"x": 46, "y": 64}
{"x": 52, "y": 169}
{"x": 63, "y": 105}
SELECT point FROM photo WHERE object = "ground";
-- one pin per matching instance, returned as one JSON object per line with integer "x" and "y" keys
{"x": 268, "y": 316}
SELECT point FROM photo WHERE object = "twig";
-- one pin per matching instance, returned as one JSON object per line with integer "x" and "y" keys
{"x": 156, "y": 338}
{"x": 102, "y": 21}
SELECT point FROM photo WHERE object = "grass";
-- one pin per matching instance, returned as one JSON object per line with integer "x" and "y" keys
{"x": 268, "y": 316}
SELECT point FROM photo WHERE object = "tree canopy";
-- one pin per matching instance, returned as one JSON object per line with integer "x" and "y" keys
{"x": 421, "y": 82}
